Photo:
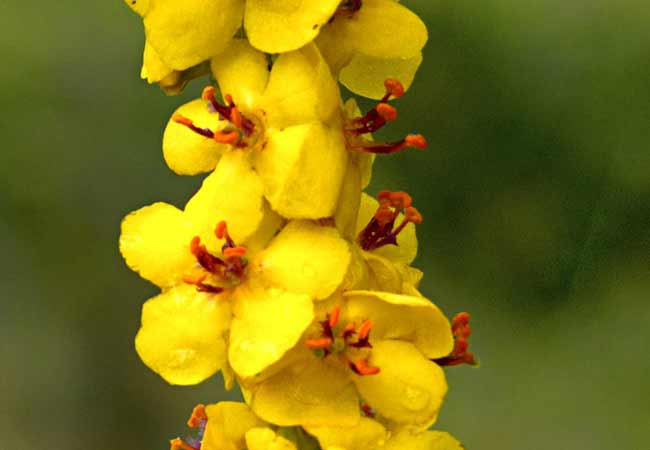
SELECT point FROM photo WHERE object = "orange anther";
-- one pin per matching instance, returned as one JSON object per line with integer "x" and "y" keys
{"x": 179, "y": 118}
{"x": 208, "y": 93}
{"x": 195, "y": 246}
{"x": 234, "y": 252}
{"x": 194, "y": 279}
{"x": 383, "y": 195}
{"x": 321, "y": 343}
{"x": 235, "y": 117}
{"x": 400, "y": 200}
{"x": 228, "y": 99}
{"x": 179, "y": 444}
{"x": 365, "y": 328}
{"x": 198, "y": 417}
{"x": 394, "y": 87}
{"x": 226, "y": 138}
{"x": 386, "y": 111}
{"x": 334, "y": 316}
{"x": 416, "y": 140}
{"x": 362, "y": 368}
{"x": 413, "y": 215}
{"x": 221, "y": 230}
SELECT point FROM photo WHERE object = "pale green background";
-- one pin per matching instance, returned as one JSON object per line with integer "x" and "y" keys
{"x": 535, "y": 192}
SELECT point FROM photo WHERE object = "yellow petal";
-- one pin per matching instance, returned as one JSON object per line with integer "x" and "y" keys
{"x": 404, "y": 317}
{"x": 266, "y": 324}
{"x": 228, "y": 423}
{"x": 363, "y": 160}
{"x": 407, "y": 244}
{"x": 346, "y": 214}
{"x": 385, "y": 274}
{"x": 428, "y": 440}
{"x": 186, "y": 152}
{"x": 302, "y": 168}
{"x": 409, "y": 389}
{"x": 181, "y": 337}
{"x": 367, "y": 434}
{"x": 311, "y": 393}
{"x": 386, "y": 29}
{"x": 365, "y": 75}
{"x": 266, "y": 439}
{"x": 278, "y": 26}
{"x": 153, "y": 68}
{"x": 140, "y": 7}
{"x": 335, "y": 46}
{"x": 242, "y": 72}
{"x": 189, "y": 32}
{"x": 233, "y": 192}
{"x": 155, "y": 243}
{"x": 301, "y": 89}
{"x": 306, "y": 258}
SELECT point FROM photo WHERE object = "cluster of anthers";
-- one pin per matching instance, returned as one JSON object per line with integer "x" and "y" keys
{"x": 228, "y": 270}
{"x": 198, "y": 421}
{"x": 240, "y": 132}
{"x": 341, "y": 341}
{"x": 460, "y": 355}
{"x": 376, "y": 118}
{"x": 381, "y": 229}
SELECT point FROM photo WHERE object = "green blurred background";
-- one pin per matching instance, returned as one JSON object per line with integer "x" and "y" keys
{"x": 535, "y": 192}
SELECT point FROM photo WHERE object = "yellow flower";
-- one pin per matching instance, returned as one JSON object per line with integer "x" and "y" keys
{"x": 230, "y": 426}
{"x": 371, "y": 40}
{"x": 184, "y": 34}
{"x": 322, "y": 383}
{"x": 288, "y": 121}
{"x": 184, "y": 333}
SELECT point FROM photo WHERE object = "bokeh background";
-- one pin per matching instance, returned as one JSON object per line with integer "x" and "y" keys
{"x": 535, "y": 192}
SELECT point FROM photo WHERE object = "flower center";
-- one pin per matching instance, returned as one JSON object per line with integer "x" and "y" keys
{"x": 381, "y": 229}
{"x": 240, "y": 132}
{"x": 459, "y": 355}
{"x": 197, "y": 420}
{"x": 375, "y": 119}
{"x": 227, "y": 270}
{"x": 340, "y": 341}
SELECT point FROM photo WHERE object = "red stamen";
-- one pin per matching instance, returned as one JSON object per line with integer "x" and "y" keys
{"x": 198, "y": 417}
{"x": 393, "y": 88}
{"x": 205, "y": 259}
{"x": 364, "y": 329}
{"x": 180, "y": 119}
{"x": 459, "y": 355}
{"x": 349, "y": 330}
{"x": 333, "y": 317}
{"x": 361, "y": 367}
{"x": 381, "y": 229}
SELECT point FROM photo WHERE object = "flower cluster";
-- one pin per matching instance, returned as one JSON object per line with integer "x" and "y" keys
{"x": 280, "y": 272}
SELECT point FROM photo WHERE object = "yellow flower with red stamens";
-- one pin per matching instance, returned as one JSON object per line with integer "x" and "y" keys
{"x": 184, "y": 34}
{"x": 287, "y": 121}
{"x": 370, "y": 40}
{"x": 374, "y": 346}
